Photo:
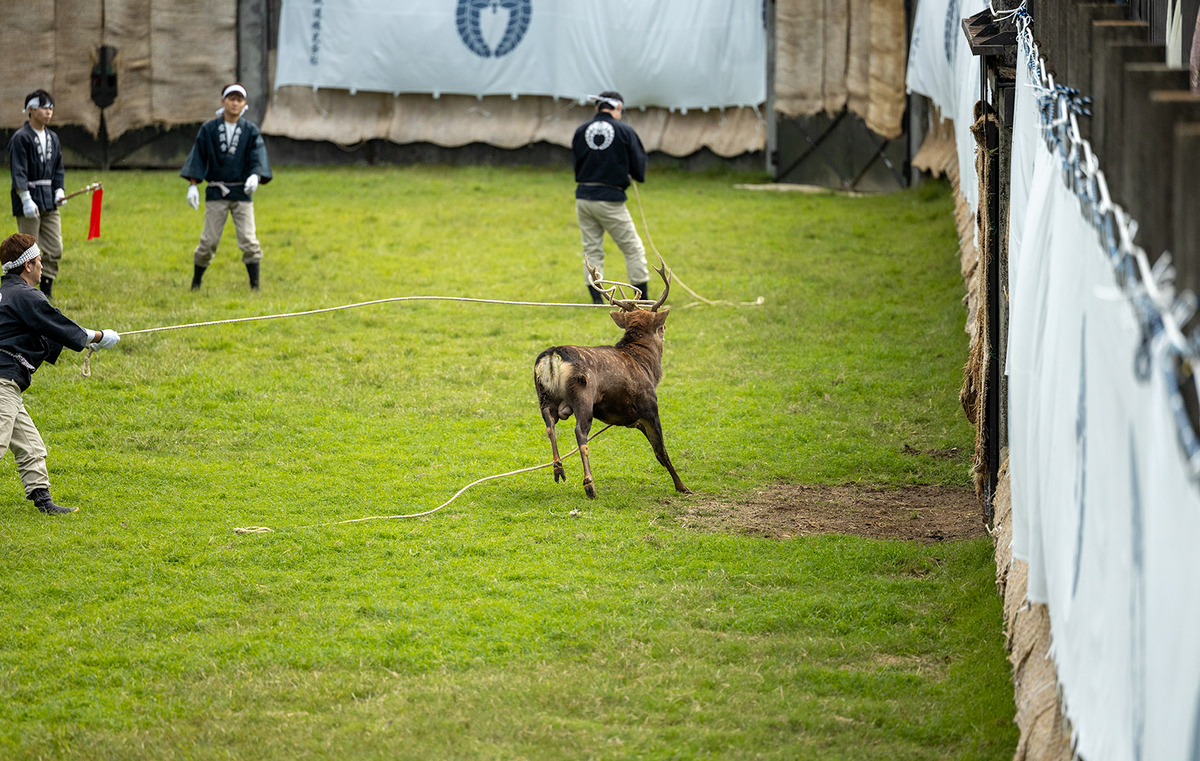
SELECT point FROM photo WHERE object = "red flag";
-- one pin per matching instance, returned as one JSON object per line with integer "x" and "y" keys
{"x": 94, "y": 225}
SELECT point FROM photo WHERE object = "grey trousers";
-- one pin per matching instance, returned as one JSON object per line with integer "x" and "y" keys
{"x": 599, "y": 217}
{"x": 47, "y": 228}
{"x": 215, "y": 213}
{"x": 18, "y": 433}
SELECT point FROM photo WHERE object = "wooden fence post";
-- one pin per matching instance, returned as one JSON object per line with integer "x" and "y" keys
{"x": 1104, "y": 35}
{"x": 1186, "y": 210}
{"x": 1079, "y": 41}
{"x": 1113, "y": 59}
{"x": 1156, "y": 99}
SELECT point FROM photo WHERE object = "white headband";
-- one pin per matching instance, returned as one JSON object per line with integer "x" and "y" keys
{"x": 233, "y": 88}
{"x": 36, "y": 102}
{"x": 30, "y": 253}
{"x": 610, "y": 102}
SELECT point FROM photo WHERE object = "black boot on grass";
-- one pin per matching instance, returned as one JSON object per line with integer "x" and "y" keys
{"x": 197, "y": 276}
{"x": 645, "y": 289}
{"x": 597, "y": 298}
{"x": 46, "y": 285}
{"x": 252, "y": 271}
{"x": 41, "y": 500}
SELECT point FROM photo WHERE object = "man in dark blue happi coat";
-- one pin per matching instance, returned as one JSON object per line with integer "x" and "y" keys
{"x": 31, "y": 332}
{"x": 231, "y": 156}
{"x": 36, "y": 163}
{"x": 607, "y": 153}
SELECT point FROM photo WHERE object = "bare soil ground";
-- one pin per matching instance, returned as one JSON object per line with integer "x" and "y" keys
{"x": 917, "y": 513}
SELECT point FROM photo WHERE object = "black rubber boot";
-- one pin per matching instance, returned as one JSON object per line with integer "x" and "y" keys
{"x": 597, "y": 297}
{"x": 252, "y": 271}
{"x": 41, "y": 499}
{"x": 197, "y": 276}
{"x": 46, "y": 285}
{"x": 644, "y": 288}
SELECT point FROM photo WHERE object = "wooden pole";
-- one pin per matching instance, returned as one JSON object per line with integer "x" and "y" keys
{"x": 1105, "y": 34}
{"x": 1186, "y": 210}
{"x": 1156, "y": 99}
{"x": 1115, "y": 59}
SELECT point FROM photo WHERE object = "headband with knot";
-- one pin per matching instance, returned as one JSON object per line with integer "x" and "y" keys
{"x": 30, "y": 253}
{"x": 610, "y": 102}
{"x": 36, "y": 102}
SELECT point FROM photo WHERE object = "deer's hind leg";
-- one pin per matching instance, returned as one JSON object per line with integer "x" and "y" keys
{"x": 652, "y": 427}
{"x": 552, "y": 420}
{"x": 583, "y": 427}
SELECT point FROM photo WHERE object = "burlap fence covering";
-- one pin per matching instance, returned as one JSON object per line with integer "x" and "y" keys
{"x": 172, "y": 59}
{"x": 455, "y": 120}
{"x": 974, "y": 391}
{"x": 832, "y": 55}
{"x": 1045, "y": 733}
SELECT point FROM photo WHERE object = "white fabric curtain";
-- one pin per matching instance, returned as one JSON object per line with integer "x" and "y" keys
{"x": 671, "y": 53}
{"x": 941, "y": 67}
{"x": 1104, "y": 509}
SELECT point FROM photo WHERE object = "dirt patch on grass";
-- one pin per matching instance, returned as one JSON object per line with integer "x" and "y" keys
{"x": 917, "y": 513}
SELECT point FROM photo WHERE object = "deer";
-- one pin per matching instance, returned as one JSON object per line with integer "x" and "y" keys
{"x": 613, "y": 384}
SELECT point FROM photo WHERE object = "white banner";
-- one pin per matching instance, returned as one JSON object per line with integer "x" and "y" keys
{"x": 1105, "y": 510}
{"x": 670, "y": 53}
{"x": 942, "y": 68}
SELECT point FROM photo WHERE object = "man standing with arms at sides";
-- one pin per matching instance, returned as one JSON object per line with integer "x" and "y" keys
{"x": 231, "y": 155}
{"x": 607, "y": 153}
{"x": 36, "y": 163}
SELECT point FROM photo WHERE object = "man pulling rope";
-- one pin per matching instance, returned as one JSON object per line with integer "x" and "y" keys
{"x": 31, "y": 332}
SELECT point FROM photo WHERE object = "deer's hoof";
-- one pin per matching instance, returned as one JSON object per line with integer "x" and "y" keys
{"x": 559, "y": 473}
{"x": 590, "y": 491}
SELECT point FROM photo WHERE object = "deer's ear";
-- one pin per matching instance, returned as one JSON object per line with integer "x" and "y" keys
{"x": 621, "y": 318}
{"x": 660, "y": 318}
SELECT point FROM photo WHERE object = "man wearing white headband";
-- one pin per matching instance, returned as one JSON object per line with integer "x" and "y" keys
{"x": 36, "y": 163}
{"x": 607, "y": 153}
{"x": 231, "y": 156}
{"x": 31, "y": 332}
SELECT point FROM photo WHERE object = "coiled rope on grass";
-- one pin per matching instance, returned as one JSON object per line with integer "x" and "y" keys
{"x": 265, "y": 529}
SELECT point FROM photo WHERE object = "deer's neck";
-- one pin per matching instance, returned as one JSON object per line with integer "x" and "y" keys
{"x": 645, "y": 351}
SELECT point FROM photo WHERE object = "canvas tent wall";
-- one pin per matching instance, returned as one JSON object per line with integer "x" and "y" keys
{"x": 172, "y": 57}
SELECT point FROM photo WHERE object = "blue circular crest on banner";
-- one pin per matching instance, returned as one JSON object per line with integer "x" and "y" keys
{"x": 470, "y": 30}
{"x": 953, "y": 30}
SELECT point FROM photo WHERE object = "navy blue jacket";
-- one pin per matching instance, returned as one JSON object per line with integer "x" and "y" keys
{"x": 32, "y": 331}
{"x": 26, "y": 162}
{"x": 213, "y": 160}
{"x": 607, "y": 153}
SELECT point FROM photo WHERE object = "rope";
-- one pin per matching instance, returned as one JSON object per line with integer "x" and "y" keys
{"x": 264, "y": 529}
{"x": 646, "y": 225}
{"x": 363, "y": 304}
{"x": 86, "y": 369}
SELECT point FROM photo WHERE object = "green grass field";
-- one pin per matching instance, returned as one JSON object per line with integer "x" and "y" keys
{"x": 522, "y": 621}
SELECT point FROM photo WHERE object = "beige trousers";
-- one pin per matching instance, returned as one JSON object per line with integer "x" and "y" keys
{"x": 47, "y": 228}
{"x": 18, "y": 433}
{"x": 215, "y": 213}
{"x": 599, "y": 217}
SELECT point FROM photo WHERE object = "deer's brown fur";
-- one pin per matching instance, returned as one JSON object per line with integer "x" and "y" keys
{"x": 613, "y": 384}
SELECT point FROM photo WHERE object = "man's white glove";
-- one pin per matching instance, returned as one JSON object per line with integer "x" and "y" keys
{"x": 251, "y": 184}
{"x": 193, "y": 196}
{"x": 28, "y": 207}
{"x": 108, "y": 339}
{"x": 60, "y": 197}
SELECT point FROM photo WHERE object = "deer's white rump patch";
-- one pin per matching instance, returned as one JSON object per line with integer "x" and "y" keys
{"x": 552, "y": 373}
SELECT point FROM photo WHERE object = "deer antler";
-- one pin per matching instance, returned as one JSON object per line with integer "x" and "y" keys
{"x": 626, "y": 305}
{"x": 665, "y": 274}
